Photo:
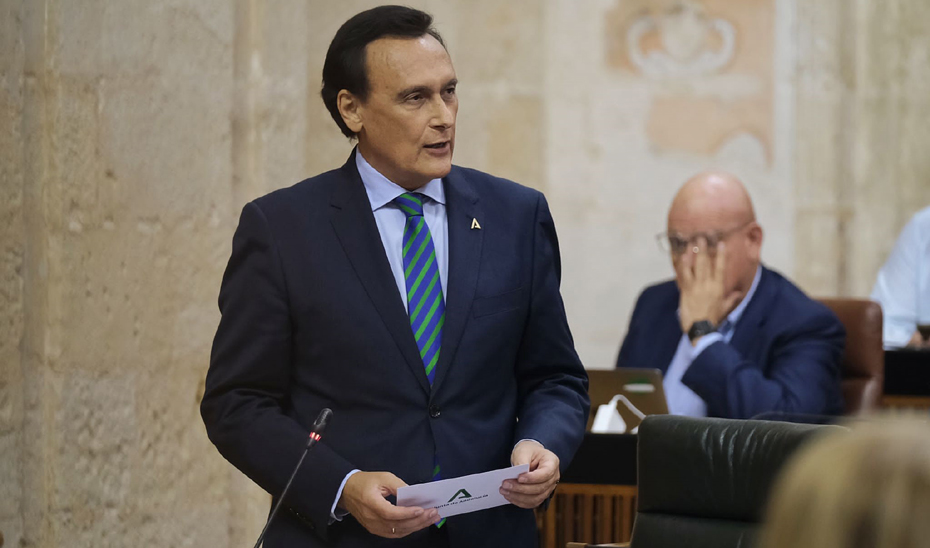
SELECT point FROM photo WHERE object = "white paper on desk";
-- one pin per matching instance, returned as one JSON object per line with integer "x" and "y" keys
{"x": 461, "y": 495}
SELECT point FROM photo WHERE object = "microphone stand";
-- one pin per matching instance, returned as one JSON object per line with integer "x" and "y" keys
{"x": 318, "y": 427}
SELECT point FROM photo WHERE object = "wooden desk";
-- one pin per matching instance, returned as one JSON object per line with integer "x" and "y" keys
{"x": 596, "y": 500}
{"x": 906, "y": 403}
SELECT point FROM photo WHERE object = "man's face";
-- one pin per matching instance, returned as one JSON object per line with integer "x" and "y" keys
{"x": 706, "y": 230}
{"x": 408, "y": 120}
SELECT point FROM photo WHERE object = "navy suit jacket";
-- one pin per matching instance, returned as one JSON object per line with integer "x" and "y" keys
{"x": 784, "y": 356}
{"x": 312, "y": 318}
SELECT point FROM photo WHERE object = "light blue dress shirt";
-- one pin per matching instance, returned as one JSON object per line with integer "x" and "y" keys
{"x": 903, "y": 283}
{"x": 391, "y": 220}
{"x": 681, "y": 399}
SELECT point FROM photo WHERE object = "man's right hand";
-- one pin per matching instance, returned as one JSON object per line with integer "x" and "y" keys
{"x": 364, "y": 497}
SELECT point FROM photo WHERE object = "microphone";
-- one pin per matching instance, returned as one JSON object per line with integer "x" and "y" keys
{"x": 319, "y": 425}
{"x": 316, "y": 432}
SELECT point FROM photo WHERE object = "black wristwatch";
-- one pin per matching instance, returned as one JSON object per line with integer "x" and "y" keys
{"x": 700, "y": 328}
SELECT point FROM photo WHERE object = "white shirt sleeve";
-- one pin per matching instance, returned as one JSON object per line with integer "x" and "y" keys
{"x": 896, "y": 287}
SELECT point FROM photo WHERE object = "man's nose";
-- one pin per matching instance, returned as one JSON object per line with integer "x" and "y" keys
{"x": 443, "y": 115}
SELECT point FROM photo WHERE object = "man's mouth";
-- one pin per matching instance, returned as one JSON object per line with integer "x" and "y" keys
{"x": 438, "y": 145}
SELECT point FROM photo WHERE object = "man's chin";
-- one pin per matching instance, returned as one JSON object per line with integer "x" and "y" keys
{"x": 439, "y": 170}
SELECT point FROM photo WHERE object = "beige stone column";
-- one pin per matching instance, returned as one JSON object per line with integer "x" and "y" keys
{"x": 863, "y": 127}
{"x": 12, "y": 263}
{"x": 824, "y": 34}
{"x": 117, "y": 200}
{"x": 890, "y": 164}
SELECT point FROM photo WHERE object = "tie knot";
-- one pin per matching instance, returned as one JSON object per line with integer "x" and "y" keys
{"x": 411, "y": 204}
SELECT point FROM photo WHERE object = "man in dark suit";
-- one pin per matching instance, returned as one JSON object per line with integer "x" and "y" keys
{"x": 732, "y": 338}
{"x": 418, "y": 300}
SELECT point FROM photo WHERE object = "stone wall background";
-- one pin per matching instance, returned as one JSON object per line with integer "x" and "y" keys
{"x": 131, "y": 134}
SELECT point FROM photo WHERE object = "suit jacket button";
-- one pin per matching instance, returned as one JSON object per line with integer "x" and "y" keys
{"x": 434, "y": 411}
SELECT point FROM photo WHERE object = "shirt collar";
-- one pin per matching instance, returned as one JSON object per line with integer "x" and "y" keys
{"x": 382, "y": 191}
{"x": 733, "y": 317}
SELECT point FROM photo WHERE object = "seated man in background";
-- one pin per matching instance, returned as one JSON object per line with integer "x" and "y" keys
{"x": 903, "y": 285}
{"x": 733, "y": 338}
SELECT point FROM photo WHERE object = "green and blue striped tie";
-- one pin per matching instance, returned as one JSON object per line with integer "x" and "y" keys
{"x": 425, "y": 305}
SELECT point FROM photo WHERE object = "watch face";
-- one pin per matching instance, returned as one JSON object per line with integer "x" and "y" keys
{"x": 699, "y": 329}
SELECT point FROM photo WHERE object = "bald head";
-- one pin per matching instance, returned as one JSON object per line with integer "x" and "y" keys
{"x": 712, "y": 197}
{"x": 711, "y": 208}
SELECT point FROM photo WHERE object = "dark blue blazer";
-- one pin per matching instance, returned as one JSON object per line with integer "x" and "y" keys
{"x": 312, "y": 318}
{"x": 784, "y": 356}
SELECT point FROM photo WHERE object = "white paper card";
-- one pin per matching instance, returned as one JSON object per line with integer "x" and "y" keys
{"x": 460, "y": 495}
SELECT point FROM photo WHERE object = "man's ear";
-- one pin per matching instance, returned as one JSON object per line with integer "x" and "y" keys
{"x": 755, "y": 238}
{"x": 350, "y": 109}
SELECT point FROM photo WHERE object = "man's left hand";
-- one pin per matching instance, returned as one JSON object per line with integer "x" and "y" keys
{"x": 532, "y": 488}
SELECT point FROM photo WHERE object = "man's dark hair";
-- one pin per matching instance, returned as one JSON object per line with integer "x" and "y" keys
{"x": 345, "y": 68}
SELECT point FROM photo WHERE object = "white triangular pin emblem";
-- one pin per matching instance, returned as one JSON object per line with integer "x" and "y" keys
{"x": 474, "y": 224}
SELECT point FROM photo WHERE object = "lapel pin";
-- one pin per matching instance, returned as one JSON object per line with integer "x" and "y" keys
{"x": 475, "y": 225}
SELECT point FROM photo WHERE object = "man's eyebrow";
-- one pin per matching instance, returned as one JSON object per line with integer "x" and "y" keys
{"x": 452, "y": 82}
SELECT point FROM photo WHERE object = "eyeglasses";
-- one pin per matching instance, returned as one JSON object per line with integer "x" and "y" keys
{"x": 676, "y": 244}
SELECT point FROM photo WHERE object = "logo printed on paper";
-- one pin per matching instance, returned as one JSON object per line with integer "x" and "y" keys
{"x": 465, "y": 495}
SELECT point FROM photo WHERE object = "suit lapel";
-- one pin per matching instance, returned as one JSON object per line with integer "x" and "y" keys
{"x": 745, "y": 336}
{"x": 667, "y": 339}
{"x": 354, "y": 223}
{"x": 464, "y": 252}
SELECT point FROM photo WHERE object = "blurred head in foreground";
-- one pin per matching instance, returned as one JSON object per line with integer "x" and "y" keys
{"x": 869, "y": 488}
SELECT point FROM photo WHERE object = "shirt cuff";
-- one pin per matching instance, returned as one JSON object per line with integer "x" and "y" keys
{"x": 334, "y": 514}
{"x": 705, "y": 341}
{"x": 528, "y": 439}
{"x": 519, "y": 442}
